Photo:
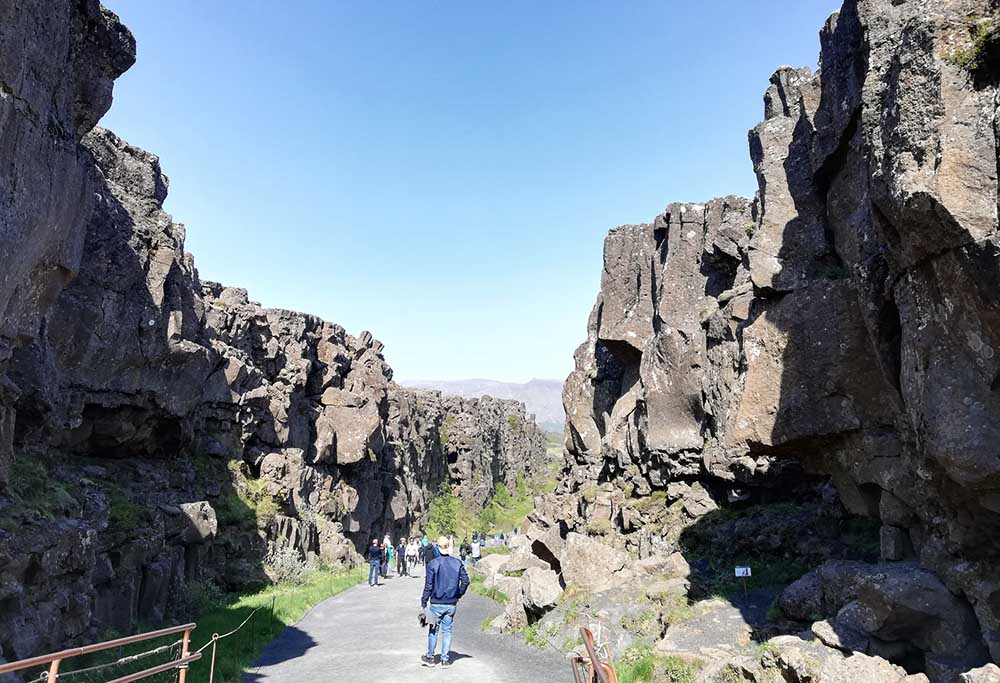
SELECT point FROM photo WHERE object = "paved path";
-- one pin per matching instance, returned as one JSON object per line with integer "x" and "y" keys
{"x": 371, "y": 635}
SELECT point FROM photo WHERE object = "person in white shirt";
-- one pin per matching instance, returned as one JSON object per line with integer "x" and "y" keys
{"x": 477, "y": 551}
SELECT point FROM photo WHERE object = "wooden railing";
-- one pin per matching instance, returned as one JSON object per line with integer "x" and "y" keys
{"x": 591, "y": 669}
{"x": 55, "y": 659}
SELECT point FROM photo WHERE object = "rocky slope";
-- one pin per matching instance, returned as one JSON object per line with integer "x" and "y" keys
{"x": 542, "y": 397}
{"x": 157, "y": 429}
{"x": 843, "y": 324}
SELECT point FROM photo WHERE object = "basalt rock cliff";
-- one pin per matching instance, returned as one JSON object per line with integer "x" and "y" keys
{"x": 156, "y": 429}
{"x": 844, "y": 324}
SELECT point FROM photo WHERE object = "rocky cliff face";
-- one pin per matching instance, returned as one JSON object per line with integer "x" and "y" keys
{"x": 157, "y": 429}
{"x": 55, "y": 83}
{"x": 844, "y": 321}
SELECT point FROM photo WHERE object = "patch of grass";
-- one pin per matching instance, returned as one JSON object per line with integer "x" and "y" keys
{"x": 231, "y": 511}
{"x": 675, "y": 608}
{"x": 535, "y": 636}
{"x": 217, "y": 613}
{"x": 644, "y": 624}
{"x": 123, "y": 514}
{"x": 514, "y": 422}
{"x": 477, "y": 584}
{"x": 291, "y": 601}
{"x": 257, "y": 498}
{"x": 35, "y": 492}
{"x": 506, "y": 511}
{"x": 496, "y": 550}
{"x": 599, "y": 527}
{"x": 639, "y": 665}
{"x": 971, "y": 57}
{"x": 444, "y": 431}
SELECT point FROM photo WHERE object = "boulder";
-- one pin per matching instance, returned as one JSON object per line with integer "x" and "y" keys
{"x": 200, "y": 522}
{"x": 541, "y": 589}
{"x": 590, "y": 564}
{"x": 521, "y": 560}
{"x": 490, "y": 565}
{"x": 990, "y": 673}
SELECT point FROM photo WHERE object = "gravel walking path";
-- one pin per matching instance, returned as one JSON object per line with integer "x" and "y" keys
{"x": 371, "y": 634}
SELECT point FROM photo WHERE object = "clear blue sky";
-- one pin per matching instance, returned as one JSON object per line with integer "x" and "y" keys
{"x": 444, "y": 173}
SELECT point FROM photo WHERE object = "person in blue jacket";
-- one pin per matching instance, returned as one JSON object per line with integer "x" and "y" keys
{"x": 445, "y": 582}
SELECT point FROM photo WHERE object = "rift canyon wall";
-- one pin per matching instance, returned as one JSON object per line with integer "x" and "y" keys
{"x": 156, "y": 429}
{"x": 844, "y": 323}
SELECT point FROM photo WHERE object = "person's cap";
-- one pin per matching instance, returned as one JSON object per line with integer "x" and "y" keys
{"x": 444, "y": 545}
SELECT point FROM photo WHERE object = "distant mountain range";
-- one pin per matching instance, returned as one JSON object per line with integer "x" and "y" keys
{"x": 543, "y": 397}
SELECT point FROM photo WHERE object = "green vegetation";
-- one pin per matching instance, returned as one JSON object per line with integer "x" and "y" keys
{"x": 477, "y": 584}
{"x": 250, "y": 504}
{"x": 448, "y": 515}
{"x": 725, "y": 538}
{"x": 444, "y": 431}
{"x": 674, "y": 607}
{"x": 496, "y": 550}
{"x": 972, "y": 57}
{"x": 640, "y": 665}
{"x": 750, "y": 229}
{"x": 514, "y": 422}
{"x": 504, "y": 511}
{"x": 644, "y": 624}
{"x": 203, "y": 602}
{"x": 534, "y": 635}
{"x": 34, "y": 492}
{"x": 291, "y": 601}
{"x": 599, "y": 527}
{"x": 123, "y": 514}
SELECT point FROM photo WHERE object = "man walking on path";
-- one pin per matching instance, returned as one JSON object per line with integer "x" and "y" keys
{"x": 374, "y": 560}
{"x": 445, "y": 583}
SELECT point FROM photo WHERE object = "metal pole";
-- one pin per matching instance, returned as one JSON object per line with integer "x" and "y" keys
{"x": 253, "y": 634}
{"x": 182, "y": 676}
{"x": 211, "y": 670}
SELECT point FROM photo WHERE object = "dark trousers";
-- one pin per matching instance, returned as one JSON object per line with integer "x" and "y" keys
{"x": 401, "y": 565}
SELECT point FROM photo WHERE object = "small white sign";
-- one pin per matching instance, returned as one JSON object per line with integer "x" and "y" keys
{"x": 742, "y": 572}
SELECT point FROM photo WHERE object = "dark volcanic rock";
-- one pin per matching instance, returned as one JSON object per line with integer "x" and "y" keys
{"x": 58, "y": 60}
{"x": 166, "y": 430}
{"x": 847, "y": 319}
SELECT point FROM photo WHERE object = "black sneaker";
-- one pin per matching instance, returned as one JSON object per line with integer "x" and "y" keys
{"x": 427, "y": 660}
{"x": 446, "y": 664}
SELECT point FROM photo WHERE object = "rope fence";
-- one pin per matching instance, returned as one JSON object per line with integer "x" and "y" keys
{"x": 167, "y": 663}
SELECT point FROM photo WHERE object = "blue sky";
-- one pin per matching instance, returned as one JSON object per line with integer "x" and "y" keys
{"x": 443, "y": 174}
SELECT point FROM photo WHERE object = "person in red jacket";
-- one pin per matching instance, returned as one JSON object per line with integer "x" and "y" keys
{"x": 445, "y": 582}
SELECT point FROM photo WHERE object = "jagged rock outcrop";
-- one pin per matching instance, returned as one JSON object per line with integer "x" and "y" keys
{"x": 845, "y": 320}
{"x": 156, "y": 429}
{"x": 55, "y": 84}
